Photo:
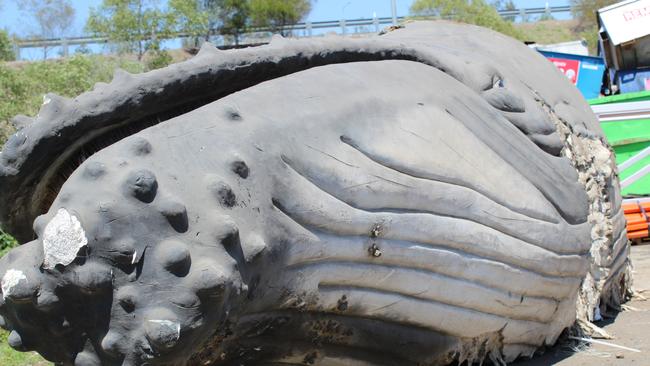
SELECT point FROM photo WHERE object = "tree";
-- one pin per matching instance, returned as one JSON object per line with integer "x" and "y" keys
{"x": 6, "y": 47}
{"x": 466, "y": 11}
{"x": 277, "y": 14}
{"x": 585, "y": 12}
{"x": 53, "y": 18}
{"x": 234, "y": 16}
{"x": 507, "y": 5}
{"x": 200, "y": 19}
{"x": 137, "y": 25}
{"x": 546, "y": 16}
{"x": 193, "y": 18}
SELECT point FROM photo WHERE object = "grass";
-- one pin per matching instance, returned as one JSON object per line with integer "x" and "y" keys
{"x": 23, "y": 84}
{"x": 557, "y": 31}
{"x": 9, "y": 357}
{"x": 550, "y": 31}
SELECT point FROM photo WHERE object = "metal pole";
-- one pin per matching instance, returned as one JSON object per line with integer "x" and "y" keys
{"x": 342, "y": 21}
{"x": 64, "y": 45}
{"x": 393, "y": 9}
{"x": 16, "y": 50}
{"x": 547, "y": 11}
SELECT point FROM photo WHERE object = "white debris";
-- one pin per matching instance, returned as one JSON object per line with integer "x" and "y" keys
{"x": 62, "y": 239}
{"x": 46, "y": 100}
{"x": 597, "y": 316}
{"x": 11, "y": 278}
{"x": 591, "y": 340}
{"x": 167, "y": 323}
{"x": 252, "y": 246}
{"x": 173, "y": 328}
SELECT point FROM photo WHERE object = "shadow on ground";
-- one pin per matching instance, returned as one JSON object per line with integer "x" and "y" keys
{"x": 630, "y": 328}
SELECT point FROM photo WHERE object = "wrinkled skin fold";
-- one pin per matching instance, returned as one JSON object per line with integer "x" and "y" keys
{"x": 436, "y": 194}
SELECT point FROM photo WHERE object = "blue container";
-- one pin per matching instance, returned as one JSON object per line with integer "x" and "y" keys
{"x": 631, "y": 81}
{"x": 586, "y": 72}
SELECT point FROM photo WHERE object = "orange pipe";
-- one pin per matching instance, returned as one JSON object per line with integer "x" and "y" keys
{"x": 634, "y": 219}
{"x": 634, "y": 207}
{"x": 634, "y": 227}
{"x": 637, "y": 234}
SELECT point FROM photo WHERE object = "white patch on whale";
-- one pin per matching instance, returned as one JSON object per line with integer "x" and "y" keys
{"x": 62, "y": 239}
{"x": 11, "y": 278}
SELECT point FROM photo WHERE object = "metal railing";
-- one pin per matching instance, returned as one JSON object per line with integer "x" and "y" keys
{"x": 639, "y": 174}
{"x": 306, "y": 28}
{"x": 622, "y": 111}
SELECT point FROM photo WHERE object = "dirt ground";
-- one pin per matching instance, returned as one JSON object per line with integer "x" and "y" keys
{"x": 630, "y": 328}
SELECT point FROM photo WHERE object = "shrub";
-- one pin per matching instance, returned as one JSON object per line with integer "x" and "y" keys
{"x": 22, "y": 86}
{"x": 83, "y": 50}
{"x": 157, "y": 59}
{"x": 6, "y": 243}
{"x": 6, "y": 47}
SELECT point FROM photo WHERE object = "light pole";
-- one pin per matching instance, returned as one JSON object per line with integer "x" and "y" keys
{"x": 343, "y": 9}
{"x": 343, "y": 26}
{"x": 393, "y": 9}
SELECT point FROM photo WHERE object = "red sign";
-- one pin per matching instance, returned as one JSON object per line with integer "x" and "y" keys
{"x": 568, "y": 67}
{"x": 636, "y": 13}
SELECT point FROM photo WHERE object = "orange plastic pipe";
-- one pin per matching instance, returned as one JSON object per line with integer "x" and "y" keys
{"x": 637, "y": 234}
{"x": 634, "y": 227}
{"x": 630, "y": 218}
{"x": 634, "y": 207}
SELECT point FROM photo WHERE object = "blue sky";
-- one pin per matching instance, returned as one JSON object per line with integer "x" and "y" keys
{"x": 16, "y": 22}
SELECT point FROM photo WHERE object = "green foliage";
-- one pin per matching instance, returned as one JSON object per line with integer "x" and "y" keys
{"x": 7, "y": 242}
{"x": 276, "y": 14}
{"x": 548, "y": 32}
{"x": 83, "y": 50}
{"x": 505, "y": 5}
{"x": 135, "y": 24}
{"x": 235, "y": 16}
{"x": 585, "y": 12}
{"x": 200, "y": 18}
{"x": 191, "y": 17}
{"x": 157, "y": 58}
{"x": 13, "y": 95}
{"x": 6, "y": 47}
{"x": 22, "y": 87}
{"x": 9, "y": 357}
{"x": 546, "y": 17}
{"x": 466, "y": 11}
